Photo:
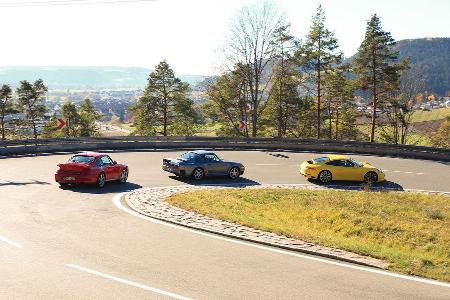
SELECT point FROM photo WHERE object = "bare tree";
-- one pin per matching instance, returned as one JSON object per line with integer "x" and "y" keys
{"x": 252, "y": 44}
{"x": 400, "y": 106}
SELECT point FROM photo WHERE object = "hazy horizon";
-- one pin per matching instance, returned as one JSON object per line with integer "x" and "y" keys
{"x": 188, "y": 34}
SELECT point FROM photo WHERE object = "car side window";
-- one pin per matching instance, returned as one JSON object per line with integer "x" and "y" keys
{"x": 99, "y": 162}
{"x": 337, "y": 163}
{"x": 106, "y": 160}
{"x": 349, "y": 163}
{"x": 211, "y": 158}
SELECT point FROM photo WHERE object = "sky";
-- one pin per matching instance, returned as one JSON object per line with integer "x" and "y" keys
{"x": 189, "y": 34}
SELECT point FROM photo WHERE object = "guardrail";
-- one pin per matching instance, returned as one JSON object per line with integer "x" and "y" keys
{"x": 21, "y": 147}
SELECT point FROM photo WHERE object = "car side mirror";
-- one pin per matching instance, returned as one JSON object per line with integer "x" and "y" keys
{"x": 114, "y": 162}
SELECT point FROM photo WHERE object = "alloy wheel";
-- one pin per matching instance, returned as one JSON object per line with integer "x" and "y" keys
{"x": 234, "y": 173}
{"x": 325, "y": 176}
{"x": 198, "y": 174}
{"x": 370, "y": 177}
{"x": 101, "y": 180}
{"x": 123, "y": 176}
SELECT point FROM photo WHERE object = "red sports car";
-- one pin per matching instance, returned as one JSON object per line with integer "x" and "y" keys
{"x": 91, "y": 168}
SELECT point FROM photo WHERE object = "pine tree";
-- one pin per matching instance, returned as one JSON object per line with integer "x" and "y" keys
{"x": 376, "y": 65}
{"x": 229, "y": 102}
{"x": 88, "y": 118}
{"x": 72, "y": 118}
{"x": 284, "y": 88}
{"x": 32, "y": 102}
{"x": 51, "y": 129}
{"x": 317, "y": 56}
{"x": 6, "y": 106}
{"x": 338, "y": 91}
{"x": 164, "y": 103}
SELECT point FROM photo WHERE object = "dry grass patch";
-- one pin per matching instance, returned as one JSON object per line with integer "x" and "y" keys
{"x": 409, "y": 230}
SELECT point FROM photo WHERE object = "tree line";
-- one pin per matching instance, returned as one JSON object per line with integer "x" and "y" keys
{"x": 30, "y": 102}
{"x": 276, "y": 84}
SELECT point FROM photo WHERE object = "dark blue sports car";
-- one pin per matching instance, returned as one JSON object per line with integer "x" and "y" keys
{"x": 201, "y": 163}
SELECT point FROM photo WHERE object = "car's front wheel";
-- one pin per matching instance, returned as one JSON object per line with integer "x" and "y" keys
{"x": 123, "y": 176}
{"x": 234, "y": 173}
{"x": 198, "y": 174}
{"x": 101, "y": 180}
{"x": 325, "y": 176}
{"x": 370, "y": 177}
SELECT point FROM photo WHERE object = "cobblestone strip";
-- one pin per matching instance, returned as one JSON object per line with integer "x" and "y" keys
{"x": 150, "y": 202}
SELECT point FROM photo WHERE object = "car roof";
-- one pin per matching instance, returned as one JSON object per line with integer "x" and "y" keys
{"x": 202, "y": 152}
{"x": 337, "y": 157}
{"x": 92, "y": 154}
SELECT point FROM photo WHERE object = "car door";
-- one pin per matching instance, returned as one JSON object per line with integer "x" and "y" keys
{"x": 116, "y": 169}
{"x": 108, "y": 168}
{"x": 213, "y": 164}
{"x": 356, "y": 170}
{"x": 337, "y": 168}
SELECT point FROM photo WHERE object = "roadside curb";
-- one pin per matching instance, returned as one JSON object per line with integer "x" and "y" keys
{"x": 150, "y": 202}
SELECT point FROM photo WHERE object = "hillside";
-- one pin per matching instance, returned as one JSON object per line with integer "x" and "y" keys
{"x": 431, "y": 57}
{"x": 85, "y": 77}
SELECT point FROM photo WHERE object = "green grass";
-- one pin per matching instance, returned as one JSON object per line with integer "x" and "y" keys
{"x": 434, "y": 114}
{"x": 411, "y": 231}
{"x": 127, "y": 126}
{"x": 208, "y": 130}
{"x": 413, "y": 138}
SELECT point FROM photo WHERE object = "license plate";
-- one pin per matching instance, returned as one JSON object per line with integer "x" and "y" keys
{"x": 68, "y": 178}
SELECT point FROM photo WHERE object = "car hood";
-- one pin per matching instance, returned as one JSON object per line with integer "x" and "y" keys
{"x": 232, "y": 163}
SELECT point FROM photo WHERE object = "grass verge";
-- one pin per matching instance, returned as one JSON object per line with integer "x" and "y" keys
{"x": 409, "y": 230}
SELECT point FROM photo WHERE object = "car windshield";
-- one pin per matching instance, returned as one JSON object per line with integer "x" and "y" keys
{"x": 321, "y": 159}
{"x": 83, "y": 159}
{"x": 188, "y": 156}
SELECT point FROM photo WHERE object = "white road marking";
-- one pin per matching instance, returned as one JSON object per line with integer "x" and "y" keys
{"x": 404, "y": 172}
{"x": 8, "y": 241}
{"x": 117, "y": 202}
{"x": 138, "y": 285}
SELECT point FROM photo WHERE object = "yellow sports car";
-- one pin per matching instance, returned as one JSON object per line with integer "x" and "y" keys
{"x": 340, "y": 167}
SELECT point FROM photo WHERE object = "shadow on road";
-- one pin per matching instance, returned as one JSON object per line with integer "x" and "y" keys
{"x": 109, "y": 188}
{"x": 217, "y": 181}
{"x": 354, "y": 186}
{"x": 16, "y": 183}
{"x": 278, "y": 155}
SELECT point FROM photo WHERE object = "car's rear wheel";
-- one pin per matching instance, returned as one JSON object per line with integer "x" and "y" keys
{"x": 325, "y": 176}
{"x": 101, "y": 180}
{"x": 123, "y": 176}
{"x": 370, "y": 177}
{"x": 198, "y": 174}
{"x": 234, "y": 173}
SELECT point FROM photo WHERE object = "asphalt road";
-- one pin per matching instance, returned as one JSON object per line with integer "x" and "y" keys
{"x": 76, "y": 244}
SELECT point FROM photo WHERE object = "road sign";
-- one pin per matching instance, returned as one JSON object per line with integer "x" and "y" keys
{"x": 242, "y": 125}
{"x": 60, "y": 123}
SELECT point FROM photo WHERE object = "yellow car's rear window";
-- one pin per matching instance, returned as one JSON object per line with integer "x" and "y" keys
{"x": 321, "y": 159}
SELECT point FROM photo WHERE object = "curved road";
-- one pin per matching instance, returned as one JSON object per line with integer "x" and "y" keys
{"x": 76, "y": 244}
